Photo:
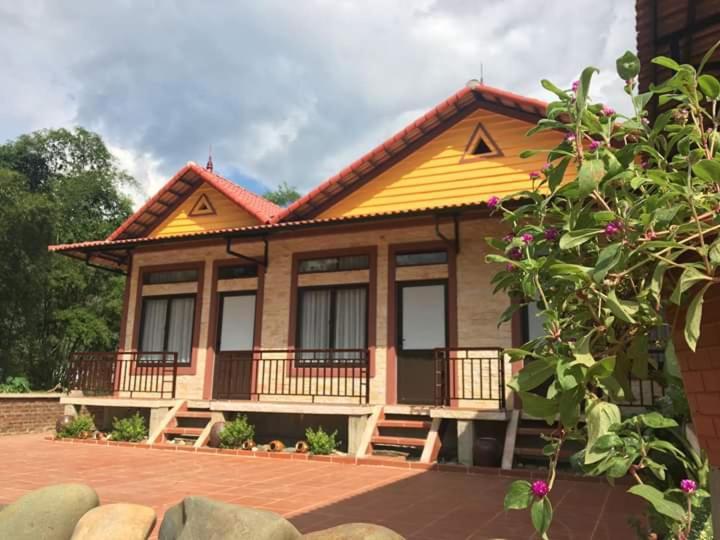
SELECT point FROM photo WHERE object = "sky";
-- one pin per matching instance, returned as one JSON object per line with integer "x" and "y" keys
{"x": 284, "y": 91}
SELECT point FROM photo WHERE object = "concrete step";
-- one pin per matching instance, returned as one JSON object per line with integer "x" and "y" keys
{"x": 194, "y": 414}
{"x": 404, "y": 424}
{"x": 398, "y": 441}
{"x": 531, "y": 430}
{"x": 183, "y": 431}
{"x": 538, "y": 452}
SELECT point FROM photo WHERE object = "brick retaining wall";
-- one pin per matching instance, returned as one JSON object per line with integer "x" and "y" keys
{"x": 28, "y": 413}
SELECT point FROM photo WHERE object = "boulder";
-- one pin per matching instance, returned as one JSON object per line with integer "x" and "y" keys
{"x": 355, "y": 531}
{"x": 116, "y": 522}
{"x": 50, "y": 513}
{"x": 200, "y": 518}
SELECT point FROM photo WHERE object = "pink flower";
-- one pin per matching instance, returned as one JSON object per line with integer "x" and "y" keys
{"x": 575, "y": 86}
{"x": 688, "y": 486}
{"x": 534, "y": 175}
{"x": 570, "y": 137}
{"x": 508, "y": 238}
{"x": 510, "y": 267}
{"x": 493, "y": 201}
{"x": 551, "y": 234}
{"x": 607, "y": 111}
{"x": 594, "y": 145}
{"x": 527, "y": 238}
{"x": 515, "y": 254}
{"x": 540, "y": 488}
{"x": 651, "y": 235}
{"x": 546, "y": 168}
{"x": 613, "y": 228}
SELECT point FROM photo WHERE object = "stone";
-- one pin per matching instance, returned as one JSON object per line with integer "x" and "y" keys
{"x": 200, "y": 518}
{"x": 50, "y": 513}
{"x": 355, "y": 531}
{"x": 116, "y": 522}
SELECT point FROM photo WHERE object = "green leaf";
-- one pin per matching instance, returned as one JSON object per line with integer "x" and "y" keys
{"x": 707, "y": 56}
{"x": 547, "y": 85}
{"x": 658, "y": 501}
{"x": 607, "y": 442}
{"x": 656, "y": 420}
{"x": 599, "y": 417}
{"x": 571, "y": 269}
{"x": 541, "y": 514}
{"x": 557, "y": 173}
{"x": 569, "y": 406}
{"x": 532, "y": 375}
{"x": 577, "y": 237}
{"x": 617, "y": 308}
{"x": 591, "y": 172}
{"x": 671, "y": 366}
{"x": 693, "y": 318}
{"x": 539, "y": 407}
{"x": 709, "y": 86}
{"x": 664, "y": 61}
{"x": 714, "y": 252}
{"x": 602, "y": 368}
{"x": 519, "y": 495}
{"x": 688, "y": 278}
{"x": 582, "y": 351}
{"x": 607, "y": 259}
{"x": 628, "y": 66}
{"x": 528, "y": 153}
{"x": 707, "y": 169}
{"x": 584, "y": 87}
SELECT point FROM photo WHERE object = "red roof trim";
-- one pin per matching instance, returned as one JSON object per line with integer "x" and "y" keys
{"x": 445, "y": 110}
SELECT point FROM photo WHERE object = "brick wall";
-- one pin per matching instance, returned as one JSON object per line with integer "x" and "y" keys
{"x": 701, "y": 376}
{"x": 27, "y": 413}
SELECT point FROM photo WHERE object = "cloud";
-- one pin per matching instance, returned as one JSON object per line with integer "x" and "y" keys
{"x": 282, "y": 91}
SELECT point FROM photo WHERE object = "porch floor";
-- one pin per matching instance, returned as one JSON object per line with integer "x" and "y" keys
{"x": 314, "y": 495}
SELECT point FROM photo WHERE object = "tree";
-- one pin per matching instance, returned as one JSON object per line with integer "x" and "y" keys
{"x": 620, "y": 232}
{"x": 283, "y": 195}
{"x": 56, "y": 186}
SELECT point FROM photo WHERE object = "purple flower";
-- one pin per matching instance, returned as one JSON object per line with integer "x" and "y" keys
{"x": 688, "y": 486}
{"x": 534, "y": 175}
{"x": 540, "y": 488}
{"x": 493, "y": 201}
{"x": 594, "y": 145}
{"x": 651, "y": 235}
{"x": 527, "y": 238}
{"x": 613, "y": 228}
{"x": 644, "y": 163}
{"x": 551, "y": 234}
{"x": 575, "y": 86}
{"x": 546, "y": 168}
{"x": 570, "y": 137}
{"x": 510, "y": 267}
{"x": 515, "y": 254}
{"x": 508, "y": 238}
{"x": 607, "y": 111}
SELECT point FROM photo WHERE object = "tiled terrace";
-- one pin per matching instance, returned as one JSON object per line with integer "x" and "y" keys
{"x": 431, "y": 505}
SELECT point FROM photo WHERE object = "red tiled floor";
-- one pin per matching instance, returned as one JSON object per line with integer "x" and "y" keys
{"x": 314, "y": 495}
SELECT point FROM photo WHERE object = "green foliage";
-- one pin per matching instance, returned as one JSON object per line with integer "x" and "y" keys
{"x": 283, "y": 195}
{"x": 56, "y": 186}
{"x": 131, "y": 429}
{"x": 81, "y": 426}
{"x": 619, "y": 233}
{"x": 320, "y": 442}
{"x": 236, "y": 432}
{"x": 15, "y": 385}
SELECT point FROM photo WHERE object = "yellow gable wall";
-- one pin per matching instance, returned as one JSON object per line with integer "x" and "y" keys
{"x": 434, "y": 176}
{"x": 227, "y": 214}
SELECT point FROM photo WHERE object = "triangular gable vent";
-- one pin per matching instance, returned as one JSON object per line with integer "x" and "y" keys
{"x": 202, "y": 207}
{"x": 480, "y": 145}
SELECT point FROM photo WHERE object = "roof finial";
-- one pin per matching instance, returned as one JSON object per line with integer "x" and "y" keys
{"x": 209, "y": 165}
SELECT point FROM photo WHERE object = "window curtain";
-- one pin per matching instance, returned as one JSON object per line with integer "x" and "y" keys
{"x": 180, "y": 328}
{"x": 153, "y": 330}
{"x": 350, "y": 321}
{"x": 315, "y": 321}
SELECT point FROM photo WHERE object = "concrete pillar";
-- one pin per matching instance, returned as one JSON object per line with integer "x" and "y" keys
{"x": 70, "y": 409}
{"x": 466, "y": 439}
{"x": 356, "y": 428}
{"x": 715, "y": 497}
{"x": 156, "y": 416}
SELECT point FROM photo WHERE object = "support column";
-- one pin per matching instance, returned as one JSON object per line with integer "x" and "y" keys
{"x": 156, "y": 416}
{"x": 70, "y": 409}
{"x": 356, "y": 428}
{"x": 466, "y": 439}
{"x": 715, "y": 497}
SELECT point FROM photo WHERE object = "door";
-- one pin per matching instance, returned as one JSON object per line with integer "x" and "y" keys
{"x": 235, "y": 339}
{"x": 422, "y": 327}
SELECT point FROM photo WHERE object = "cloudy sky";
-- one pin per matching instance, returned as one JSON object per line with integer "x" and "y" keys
{"x": 287, "y": 90}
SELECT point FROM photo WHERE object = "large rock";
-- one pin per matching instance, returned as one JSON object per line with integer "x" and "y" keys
{"x": 200, "y": 518}
{"x": 50, "y": 513}
{"x": 116, "y": 522}
{"x": 355, "y": 531}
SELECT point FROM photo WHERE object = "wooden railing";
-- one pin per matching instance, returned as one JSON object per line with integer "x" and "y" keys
{"x": 469, "y": 374}
{"x": 313, "y": 373}
{"x": 149, "y": 374}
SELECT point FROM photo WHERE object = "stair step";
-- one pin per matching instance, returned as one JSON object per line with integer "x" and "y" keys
{"x": 536, "y": 430}
{"x": 184, "y": 431}
{"x": 405, "y": 424}
{"x": 398, "y": 441}
{"x": 194, "y": 414}
{"x": 538, "y": 452}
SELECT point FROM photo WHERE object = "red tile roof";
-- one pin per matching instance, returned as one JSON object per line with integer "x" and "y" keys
{"x": 474, "y": 94}
{"x": 144, "y": 219}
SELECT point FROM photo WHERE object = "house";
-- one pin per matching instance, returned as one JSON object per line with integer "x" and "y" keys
{"x": 366, "y": 305}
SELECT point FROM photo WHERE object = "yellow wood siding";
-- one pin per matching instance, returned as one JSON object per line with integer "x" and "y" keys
{"x": 227, "y": 214}
{"x": 433, "y": 175}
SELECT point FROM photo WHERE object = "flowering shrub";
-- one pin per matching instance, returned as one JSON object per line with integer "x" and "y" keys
{"x": 131, "y": 429}
{"x": 236, "y": 432}
{"x": 621, "y": 226}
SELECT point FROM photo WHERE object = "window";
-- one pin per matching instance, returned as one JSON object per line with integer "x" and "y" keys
{"x": 170, "y": 276}
{"x": 167, "y": 325}
{"x": 420, "y": 258}
{"x": 480, "y": 147}
{"x": 334, "y": 264}
{"x": 332, "y": 318}
{"x": 237, "y": 271}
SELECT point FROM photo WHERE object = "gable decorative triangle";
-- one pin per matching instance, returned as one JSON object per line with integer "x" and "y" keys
{"x": 481, "y": 145}
{"x": 202, "y": 207}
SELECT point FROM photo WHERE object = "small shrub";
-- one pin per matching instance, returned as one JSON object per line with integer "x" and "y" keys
{"x": 78, "y": 428}
{"x": 236, "y": 432}
{"x": 15, "y": 385}
{"x": 131, "y": 429}
{"x": 321, "y": 443}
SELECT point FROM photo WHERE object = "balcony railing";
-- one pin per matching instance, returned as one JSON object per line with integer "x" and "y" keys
{"x": 470, "y": 375}
{"x": 126, "y": 374}
{"x": 306, "y": 373}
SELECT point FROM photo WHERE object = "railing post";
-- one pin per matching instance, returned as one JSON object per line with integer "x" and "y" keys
{"x": 367, "y": 375}
{"x": 501, "y": 366}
